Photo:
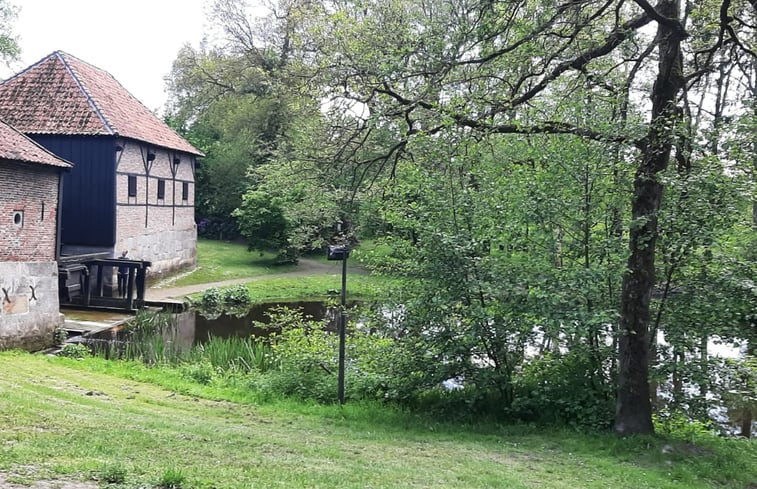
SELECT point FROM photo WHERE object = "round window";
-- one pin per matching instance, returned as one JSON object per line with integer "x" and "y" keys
{"x": 18, "y": 218}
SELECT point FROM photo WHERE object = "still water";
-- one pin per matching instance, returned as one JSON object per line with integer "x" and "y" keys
{"x": 193, "y": 327}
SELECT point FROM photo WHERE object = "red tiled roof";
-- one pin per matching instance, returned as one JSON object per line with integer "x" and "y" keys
{"x": 17, "y": 147}
{"x": 62, "y": 94}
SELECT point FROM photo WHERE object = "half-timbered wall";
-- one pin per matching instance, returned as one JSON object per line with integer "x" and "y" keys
{"x": 155, "y": 206}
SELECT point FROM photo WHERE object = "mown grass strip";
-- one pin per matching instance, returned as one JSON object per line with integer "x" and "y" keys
{"x": 223, "y": 260}
{"x": 80, "y": 417}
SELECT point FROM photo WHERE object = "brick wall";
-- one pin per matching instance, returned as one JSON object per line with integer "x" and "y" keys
{"x": 28, "y": 273}
{"x": 28, "y": 210}
{"x": 163, "y": 231}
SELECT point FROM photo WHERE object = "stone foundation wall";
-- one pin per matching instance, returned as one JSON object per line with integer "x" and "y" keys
{"x": 169, "y": 251}
{"x": 28, "y": 304}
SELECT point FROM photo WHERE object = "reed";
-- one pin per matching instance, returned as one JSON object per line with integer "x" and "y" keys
{"x": 234, "y": 354}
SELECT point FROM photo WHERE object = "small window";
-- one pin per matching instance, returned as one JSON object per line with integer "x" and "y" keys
{"x": 18, "y": 219}
{"x": 185, "y": 191}
{"x": 161, "y": 189}
{"x": 132, "y": 185}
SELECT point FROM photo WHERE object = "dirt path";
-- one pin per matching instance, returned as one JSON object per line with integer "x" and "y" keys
{"x": 305, "y": 267}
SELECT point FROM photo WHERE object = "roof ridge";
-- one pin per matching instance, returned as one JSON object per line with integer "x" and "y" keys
{"x": 60, "y": 55}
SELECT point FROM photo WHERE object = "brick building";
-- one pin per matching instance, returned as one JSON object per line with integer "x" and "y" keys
{"x": 132, "y": 185}
{"x": 30, "y": 180}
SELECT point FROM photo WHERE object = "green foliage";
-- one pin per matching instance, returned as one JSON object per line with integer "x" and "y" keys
{"x": 75, "y": 350}
{"x": 172, "y": 479}
{"x": 149, "y": 337}
{"x": 306, "y": 359}
{"x": 198, "y": 370}
{"x": 211, "y": 299}
{"x": 234, "y": 299}
{"x": 566, "y": 390}
{"x": 9, "y": 48}
{"x": 230, "y": 355}
{"x": 679, "y": 426}
{"x": 262, "y": 222}
{"x": 110, "y": 474}
{"x": 60, "y": 335}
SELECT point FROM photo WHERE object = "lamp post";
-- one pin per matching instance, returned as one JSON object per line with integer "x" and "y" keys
{"x": 341, "y": 253}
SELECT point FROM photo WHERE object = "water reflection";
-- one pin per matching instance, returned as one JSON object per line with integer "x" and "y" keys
{"x": 194, "y": 328}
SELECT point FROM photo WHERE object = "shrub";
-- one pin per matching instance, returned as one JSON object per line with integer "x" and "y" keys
{"x": 201, "y": 372}
{"x": 211, "y": 299}
{"x": 306, "y": 361}
{"x": 75, "y": 350}
{"x": 235, "y": 297}
{"x": 567, "y": 388}
{"x": 214, "y": 301}
{"x": 60, "y": 335}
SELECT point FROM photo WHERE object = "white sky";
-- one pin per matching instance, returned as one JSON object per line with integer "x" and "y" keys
{"x": 136, "y": 41}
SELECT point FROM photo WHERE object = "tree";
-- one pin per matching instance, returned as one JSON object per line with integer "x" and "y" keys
{"x": 235, "y": 102}
{"x": 496, "y": 145}
{"x": 9, "y": 49}
{"x": 417, "y": 69}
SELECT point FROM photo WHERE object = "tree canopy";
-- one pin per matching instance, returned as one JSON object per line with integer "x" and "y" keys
{"x": 559, "y": 183}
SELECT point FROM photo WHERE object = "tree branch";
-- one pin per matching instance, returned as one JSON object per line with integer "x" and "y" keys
{"x": 613, "y": 40}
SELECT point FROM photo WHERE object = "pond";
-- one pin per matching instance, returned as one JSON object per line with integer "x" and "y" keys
{"x": 194, "y": 327}
{"x": 226, "y": 325}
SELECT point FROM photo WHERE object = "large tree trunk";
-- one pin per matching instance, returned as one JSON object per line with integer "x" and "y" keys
{"x": 633, "y": 408}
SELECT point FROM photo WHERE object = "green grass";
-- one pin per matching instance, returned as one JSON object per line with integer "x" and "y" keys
{"x": 317, "y": 287}
{"x": 140, "y": 427}
{"x": 222, "y": 260}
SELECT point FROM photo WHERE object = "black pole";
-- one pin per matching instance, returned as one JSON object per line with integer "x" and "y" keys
{"x": 340, "y": 388}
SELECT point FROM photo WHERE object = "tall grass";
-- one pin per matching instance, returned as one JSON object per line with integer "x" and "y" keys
{"x": 151, "y": 339}
{"x": 234, "y": 354}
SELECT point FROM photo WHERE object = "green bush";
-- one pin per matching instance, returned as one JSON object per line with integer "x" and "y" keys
{"x": 75, "y": 350}
{"x": 565, "y": 389}
{"x": 306, "y": 361}
{"x": 214, "y": 301}
{"x": 235, "y": 297}
{"x": 211, "y": 299}
{"x": 60, "y": 335}
{"x": 201, "y": 372}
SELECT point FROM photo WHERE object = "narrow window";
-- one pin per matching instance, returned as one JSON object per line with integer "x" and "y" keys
{"x": 161, "y": 189}
{"x": 42, "y": 212}
{"x": 132, "y": 185}
{"x": 185, "y": 191}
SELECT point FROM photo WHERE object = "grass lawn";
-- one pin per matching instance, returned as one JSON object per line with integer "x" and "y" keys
{"x": 222, "y": 260}
{"x": 314, "y": 287}
{"x": 92, "y": 419}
